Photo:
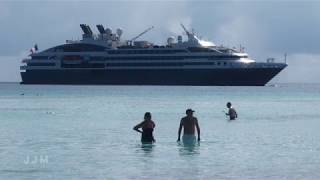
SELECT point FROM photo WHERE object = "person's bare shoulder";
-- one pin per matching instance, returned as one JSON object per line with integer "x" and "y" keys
{"x": 183, "y": 119}
{"x": 195, "y": 119}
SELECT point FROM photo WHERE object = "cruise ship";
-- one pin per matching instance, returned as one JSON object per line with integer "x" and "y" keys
{"x": 105, "y": 58}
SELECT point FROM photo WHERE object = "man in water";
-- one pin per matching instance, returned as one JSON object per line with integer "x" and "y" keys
{"x": 232, "y": 112}
{"x": 189, "y": 123}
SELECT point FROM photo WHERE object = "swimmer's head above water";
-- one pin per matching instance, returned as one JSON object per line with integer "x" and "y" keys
{"x": 189, "y": 112}
{"x": 147, "y": 116}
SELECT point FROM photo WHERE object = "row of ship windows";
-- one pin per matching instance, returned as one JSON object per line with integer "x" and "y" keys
{"x": 164, "y": 58}
{"x": 41, "y": 64}
{"x": 100, "y": 65}
{"x": 146, "y": 51}
{"x": 82, "y": 47}
{"x": 101, "y": 58}
{"x": 167, "y": 64}
{"x": 83, "y": 65}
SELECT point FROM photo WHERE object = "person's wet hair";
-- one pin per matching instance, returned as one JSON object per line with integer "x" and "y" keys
{"x": 229, "y": 104}
{"x": 147, "y": 115}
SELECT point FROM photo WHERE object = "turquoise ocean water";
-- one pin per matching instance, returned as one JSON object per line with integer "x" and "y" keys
{"x": 85, "y": 132}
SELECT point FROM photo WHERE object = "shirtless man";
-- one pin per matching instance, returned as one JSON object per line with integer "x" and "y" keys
{"x": 189, "y": 123}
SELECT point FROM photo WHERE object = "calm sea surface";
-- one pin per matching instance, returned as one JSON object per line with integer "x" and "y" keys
{"x": 85, "y": 132}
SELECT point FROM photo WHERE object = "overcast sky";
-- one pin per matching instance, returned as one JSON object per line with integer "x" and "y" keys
{"x": 264, "y": 28}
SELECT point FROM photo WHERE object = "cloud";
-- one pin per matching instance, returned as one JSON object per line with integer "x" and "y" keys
{"x": 4, "y": 11}
{"x": 174, "y": 24}
{"x": 11, "y": 71}
{"x": 242, "y": 30}
{"x": 302, "y": 68}
{"x": 51, "y": 23}
{"x": 166, "y": 17}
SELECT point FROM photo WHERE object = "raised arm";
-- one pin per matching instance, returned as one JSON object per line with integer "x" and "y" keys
{"x": 136, "y": 128}
{"x": 180, "y": 128}
{"x": 198, "y": 129}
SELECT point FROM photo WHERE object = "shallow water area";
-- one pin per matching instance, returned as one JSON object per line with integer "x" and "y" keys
{"x": 85, "y": 132}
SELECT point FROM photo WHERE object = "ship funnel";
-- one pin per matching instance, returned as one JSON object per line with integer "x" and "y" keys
{"x": 89, "y": 29}
{"x": 86, "y": 29}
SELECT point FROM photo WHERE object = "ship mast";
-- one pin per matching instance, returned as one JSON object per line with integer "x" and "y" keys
{"x": 139, "y": 35}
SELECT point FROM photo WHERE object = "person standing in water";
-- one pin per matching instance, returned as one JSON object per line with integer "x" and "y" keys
{"x": 232, "y": 112}
{"x": 147, "y": 127}
{"x": 189, "y": 123}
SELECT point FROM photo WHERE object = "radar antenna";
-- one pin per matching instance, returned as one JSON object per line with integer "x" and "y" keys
{"x": 84, "y": 29}
{"x": 133, "y": 39}
{"x": 89, "y": 29}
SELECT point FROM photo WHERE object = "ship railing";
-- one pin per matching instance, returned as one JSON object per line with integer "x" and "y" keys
{"x": 72, "y": 41}
{"x": 23, "y": 67}
{"x": 267, "y": 64}
{"x": 270, "y": 60}
{"x": 25, "y": 60}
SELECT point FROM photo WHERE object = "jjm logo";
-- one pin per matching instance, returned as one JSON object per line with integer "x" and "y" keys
{"x": 36, "y": 160}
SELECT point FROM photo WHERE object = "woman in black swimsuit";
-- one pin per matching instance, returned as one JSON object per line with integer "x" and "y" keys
{"x": 147, "y": 127}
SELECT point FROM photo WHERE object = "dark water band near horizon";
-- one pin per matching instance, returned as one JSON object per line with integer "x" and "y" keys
{"x": 85, "y": 132}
